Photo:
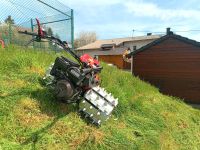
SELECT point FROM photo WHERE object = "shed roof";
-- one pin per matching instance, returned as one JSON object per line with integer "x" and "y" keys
{"x": 161, "y": 39}
{"x": 97, "y": 44}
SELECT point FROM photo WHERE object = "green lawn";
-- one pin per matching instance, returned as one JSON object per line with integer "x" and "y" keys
{"x": 31, "y": 118}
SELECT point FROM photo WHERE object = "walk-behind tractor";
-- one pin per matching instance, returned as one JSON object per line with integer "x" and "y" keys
{"x": 77, "y": 81}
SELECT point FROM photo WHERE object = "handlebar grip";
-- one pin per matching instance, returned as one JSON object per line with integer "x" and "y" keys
{"x": 98, "y": 68}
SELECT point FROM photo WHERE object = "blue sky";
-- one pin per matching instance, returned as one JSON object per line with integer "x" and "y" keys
{"x": 117, "y": 18}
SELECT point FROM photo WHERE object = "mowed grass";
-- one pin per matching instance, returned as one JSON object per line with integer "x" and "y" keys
{"x": 31, "y": 118}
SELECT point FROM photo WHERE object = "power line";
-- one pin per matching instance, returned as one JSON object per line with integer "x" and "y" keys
{"x": 145, "y": 31}
{"x": 189, "y": 31}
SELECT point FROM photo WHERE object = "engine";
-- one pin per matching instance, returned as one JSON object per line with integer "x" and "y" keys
{"x": 69, "y": 81}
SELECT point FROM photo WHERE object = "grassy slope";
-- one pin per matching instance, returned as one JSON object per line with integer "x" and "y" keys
{"x": 30, "y": 118}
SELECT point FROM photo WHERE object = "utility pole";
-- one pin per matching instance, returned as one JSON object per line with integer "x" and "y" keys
{"x": 133, "y": 33}
{"x": 72, "y": 28}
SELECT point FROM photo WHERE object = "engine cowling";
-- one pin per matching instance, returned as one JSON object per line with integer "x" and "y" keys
{"x": 89, "y": 60}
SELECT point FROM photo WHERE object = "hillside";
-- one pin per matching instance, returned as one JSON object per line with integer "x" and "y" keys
{"x": 30, "y": 117}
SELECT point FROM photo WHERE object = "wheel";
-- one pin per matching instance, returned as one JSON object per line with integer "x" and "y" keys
{"x": 64, "y": 91}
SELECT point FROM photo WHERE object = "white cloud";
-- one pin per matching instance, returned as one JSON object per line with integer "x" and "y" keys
{"x": 90, "y": 3}
{"x": 140, "y": 15}
{"x": 147, "y": 9}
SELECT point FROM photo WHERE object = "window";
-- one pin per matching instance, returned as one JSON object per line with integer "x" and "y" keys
{"x": 134, "y": 48}
{"x": 107, "y": 46}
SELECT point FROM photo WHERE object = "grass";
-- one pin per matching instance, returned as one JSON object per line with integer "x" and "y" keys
{"x": 31, "y": 118}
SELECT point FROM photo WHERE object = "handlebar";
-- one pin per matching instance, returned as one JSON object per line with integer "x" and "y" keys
{"x": 27, "y": 33}
{"x": 38, "y": 38}
{"x": 43, "y": 35}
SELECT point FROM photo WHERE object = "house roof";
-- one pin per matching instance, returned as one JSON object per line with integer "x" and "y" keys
{"x": 171, "y": 34}
{"x": 97, "y": 44}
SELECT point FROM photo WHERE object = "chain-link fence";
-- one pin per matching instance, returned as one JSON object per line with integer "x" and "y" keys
{"x": 18, "y": 15}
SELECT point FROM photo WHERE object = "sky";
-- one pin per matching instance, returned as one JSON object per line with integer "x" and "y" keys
{"x": 118, "y": 18}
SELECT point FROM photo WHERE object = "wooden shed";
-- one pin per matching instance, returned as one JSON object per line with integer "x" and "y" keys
{"x": 171, "y": 63}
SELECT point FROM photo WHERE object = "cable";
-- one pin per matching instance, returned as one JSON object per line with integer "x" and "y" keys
{"x": 193, "y": 30}
{"x": 189, "y": 31}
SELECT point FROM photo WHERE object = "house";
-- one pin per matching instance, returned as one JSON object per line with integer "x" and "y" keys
{"x": 171, "y": 63}
{"x": 111, "y": 50}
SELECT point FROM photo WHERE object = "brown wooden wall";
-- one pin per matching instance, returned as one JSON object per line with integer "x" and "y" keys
{"x": 116, "y": 60}
{"x": 173, "y": 66}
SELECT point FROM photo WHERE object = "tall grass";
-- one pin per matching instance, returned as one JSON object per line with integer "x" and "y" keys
{"x": 31, "y": 118}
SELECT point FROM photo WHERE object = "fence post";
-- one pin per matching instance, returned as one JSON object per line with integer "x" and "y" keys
{"x": 32, "y": 28}
{"x": 10, "y": 33}
{"x": 72, "y": 28}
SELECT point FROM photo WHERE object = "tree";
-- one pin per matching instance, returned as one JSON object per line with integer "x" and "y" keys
{"x": 57, "y": 36}
{"x": 9, "y": 20}
{"x": 50, "y": 31}
{"x": 85, "y": 38}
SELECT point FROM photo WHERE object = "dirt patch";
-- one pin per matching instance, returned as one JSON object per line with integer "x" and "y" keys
{"x": 167, "y": 142}
{"x": 34, "y": 69}
{"x": 137, "y": 96}
{"x": 90, "y": 134}
{"x": 14, "y": 83}
{"x": 121, "y": 125}
{"x": 78, "y": 141}
{"x": 167, "y": 115}
{"x": 3, "y": 95}
{"x": 183, "y": 125}
{"x": 28, "y": 113}
{"x": 60, "y": 128}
